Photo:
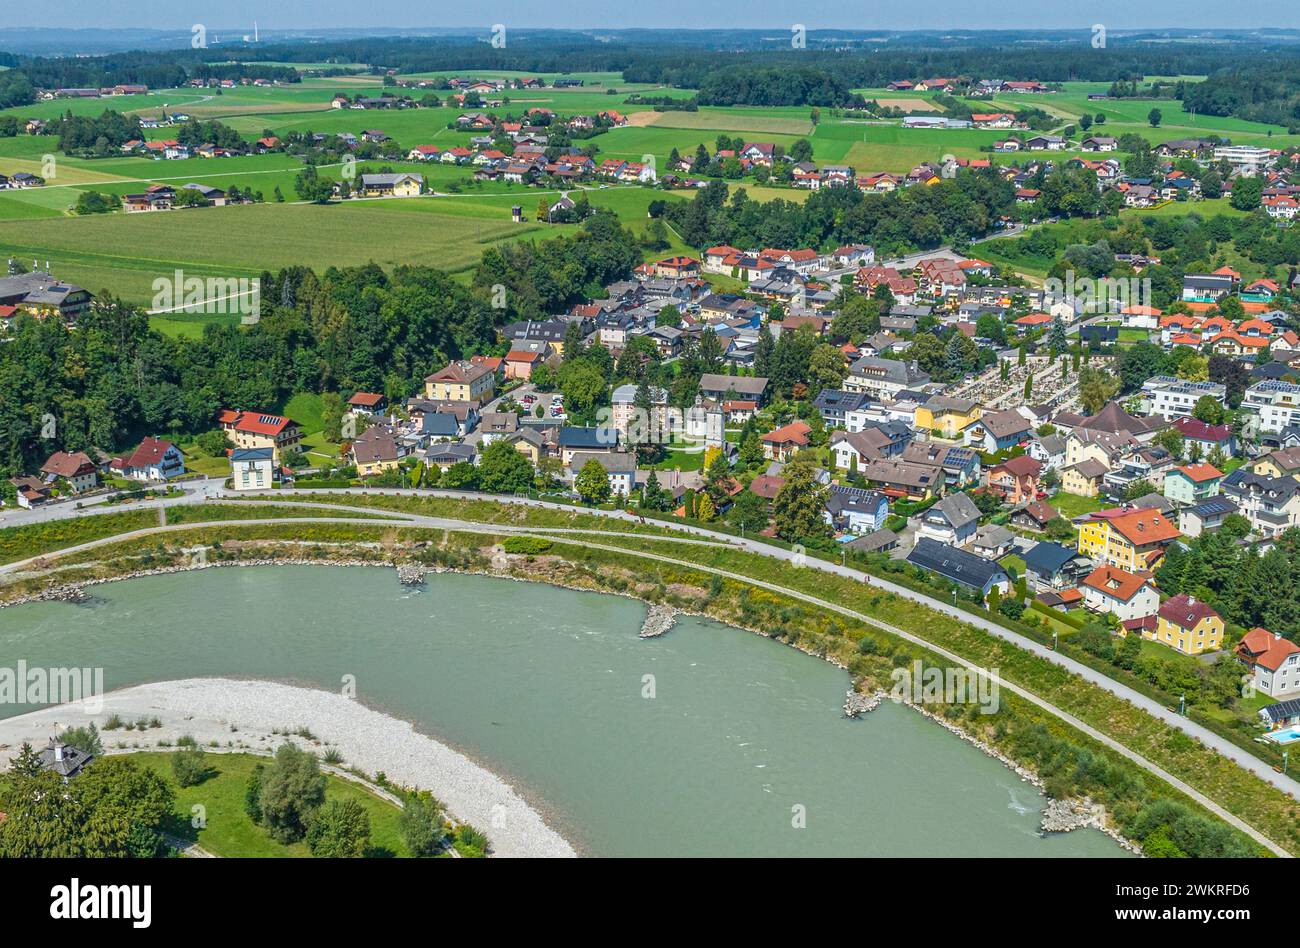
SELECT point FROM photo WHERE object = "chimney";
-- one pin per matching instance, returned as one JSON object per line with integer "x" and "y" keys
{"x": 1191, "y": 600}
{"x": 58, "y": 752}
{"x": 1277, "y": 636}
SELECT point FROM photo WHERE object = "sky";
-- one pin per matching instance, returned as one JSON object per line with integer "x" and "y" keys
{"x": 572, "y": 14}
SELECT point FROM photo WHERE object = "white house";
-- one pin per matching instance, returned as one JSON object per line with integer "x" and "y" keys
{"x": 252, "y": 468}
{"x": 1274, "y": 662}
{"x": 153, "y": 460}
{"x": 1126, "y": 596}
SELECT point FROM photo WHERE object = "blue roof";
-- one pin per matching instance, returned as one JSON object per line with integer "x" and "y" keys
{"x": 1047, "y": 558}
{"x": 588, "y": 437}
{"x": 252, "y": 454}
{"x": 966, "y": 569}
{"x": 440, "y": 423}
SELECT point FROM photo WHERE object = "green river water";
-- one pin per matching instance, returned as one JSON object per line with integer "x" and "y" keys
{"x": 545, "y": 686}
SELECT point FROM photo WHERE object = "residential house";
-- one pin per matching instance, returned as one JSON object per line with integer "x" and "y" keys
{"x": 1016, "y": 479}
{"x": 904, "y": 479}
{"x": 154, "y": 460}
{"x": 619, "y": 465}
{"x": 834, "y": 404}
{"x": 30, "y": 491}
{"x": 1275, "y": 403}
{"x": 953, "y": 520}
{"x": 1193, "y": 483}
{"x": 462, "y": 381}
{"x": 1208, "y": 437}
{"x": 783, "y": 443}
{"x": 1085, "y": 478}
{"x": 1271, "y": 504}
{"x": 967, "y": 570}
{"x": 1133, "y": 539}
{"x": 856, "y": 510}
{"x": 367, "y": 403}
{"x": 1000, "y": 431}
{"x": 1035, "y": 515}
{"x": 959, "y": 467}
{"x": 74, "y": 468}
{"x": 1274, "y": 662}
{"x": 884, "y": 378}
{"x": 375, "y": 451}
{"x": 248, "y": 429}
{"x": 1127, "y": 596}
{"x": 993, "y": 541}
{"x": 1143, "y": 464}
{"x": 1207, "y": 515}
{"x": 1188, "y": 625}
{"x": 726, "y": 387}
{"x": 572, "y": 440}
{"x": 1047, "y": 450}
{"x": 1173, "y": 398}
{"x": 946, "y": 416}
{"x": 404, "y": 184}
{"x": 252, "y": 468}
{"x": 1052, "y": 566}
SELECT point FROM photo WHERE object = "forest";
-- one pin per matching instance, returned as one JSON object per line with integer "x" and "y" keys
{"x": 729, "y": 67}
{"x": 962, "y": 207}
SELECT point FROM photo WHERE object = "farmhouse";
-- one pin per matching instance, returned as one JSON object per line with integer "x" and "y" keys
{"x": 392, "y": 185}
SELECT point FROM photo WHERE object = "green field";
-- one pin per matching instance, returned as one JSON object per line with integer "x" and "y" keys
{"x": 450, "y": 228}
{"x": 127, "y": 253}
{"x": 229, "y": 832}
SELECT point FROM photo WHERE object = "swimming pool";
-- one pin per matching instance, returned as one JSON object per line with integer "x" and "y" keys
{"x": 1284, "y": 737}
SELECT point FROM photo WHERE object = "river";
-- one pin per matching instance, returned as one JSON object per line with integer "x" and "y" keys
{"x": 707, "y": 741}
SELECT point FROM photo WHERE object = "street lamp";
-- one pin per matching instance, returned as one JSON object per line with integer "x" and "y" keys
{"x": 1182, "y": 705}
{"x": 1284, "y": 756}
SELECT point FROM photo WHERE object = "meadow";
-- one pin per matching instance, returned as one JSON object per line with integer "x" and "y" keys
{"x": 449, "y": 228}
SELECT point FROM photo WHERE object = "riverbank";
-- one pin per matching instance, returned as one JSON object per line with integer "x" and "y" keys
{"x": 260, "y": 715}
{"x": 660, "y": 617}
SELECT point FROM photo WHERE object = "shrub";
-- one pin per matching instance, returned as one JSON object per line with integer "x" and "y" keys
{"x": 527, "y": 545}
{"x": 339, "y": 830}
{"x": 422, "y": 827}
{"x": 188, "y": 765}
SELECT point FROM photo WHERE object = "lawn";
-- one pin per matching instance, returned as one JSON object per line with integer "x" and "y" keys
{"x": 1072, "y": 505}
{"x": 231, "y": 833}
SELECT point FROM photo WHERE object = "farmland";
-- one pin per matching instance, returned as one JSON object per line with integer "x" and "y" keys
{"x": 126, "y": 253}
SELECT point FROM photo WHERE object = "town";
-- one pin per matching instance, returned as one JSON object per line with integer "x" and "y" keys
{"x": 969, "y": 360}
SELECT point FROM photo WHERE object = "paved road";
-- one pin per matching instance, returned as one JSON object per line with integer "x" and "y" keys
{"x": 561, "y": 534}
{"x": 1284, "y": 782}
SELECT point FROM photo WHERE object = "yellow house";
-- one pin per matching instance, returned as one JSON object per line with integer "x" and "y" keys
{"x": 1284, "y": 463}
{"x": 392, "y": 185}
{"x": 947, "y": 415}
{"x": 528, "y": 443}
{"x": 1187, "y": 625}
{"x": 461, "y": 382}
{"x": 1100, "y": 446}
{"x": 375, "y": 451}
{"x": 1133, "y": 540}
{"x": 1083, "y": 479}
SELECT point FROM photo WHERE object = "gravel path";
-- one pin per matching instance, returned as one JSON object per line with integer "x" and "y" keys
{"x": 208, "y": 708}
